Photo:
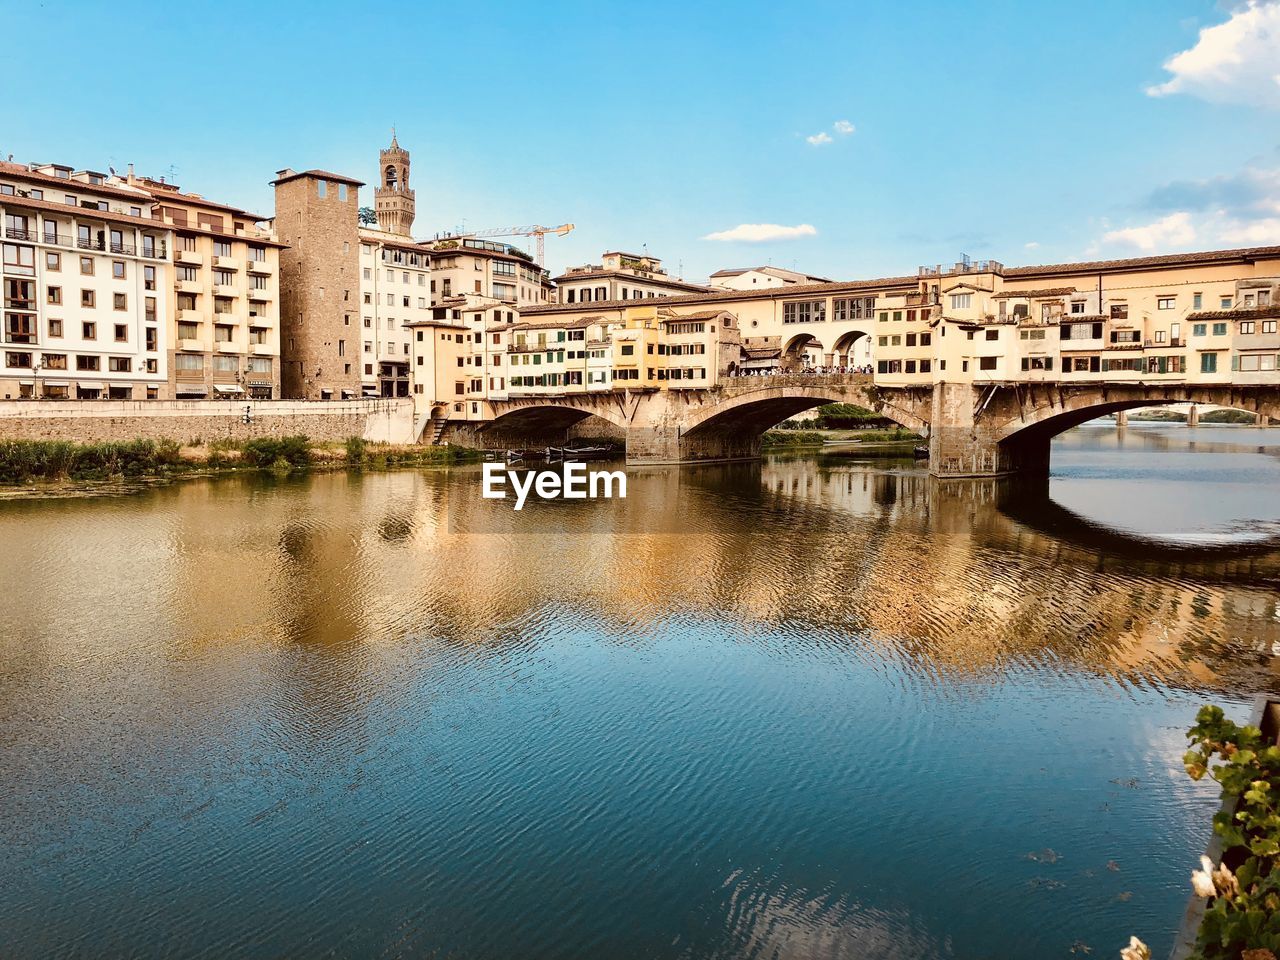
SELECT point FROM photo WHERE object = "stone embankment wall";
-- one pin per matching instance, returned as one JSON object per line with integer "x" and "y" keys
{"x": 91, "y": 421}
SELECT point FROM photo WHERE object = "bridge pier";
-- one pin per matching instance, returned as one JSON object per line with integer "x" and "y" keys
{"x": 963, "y": 443}
{"x": 1193, "y": 416}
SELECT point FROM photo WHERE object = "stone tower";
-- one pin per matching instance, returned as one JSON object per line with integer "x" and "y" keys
{"x": 393, "y": 200}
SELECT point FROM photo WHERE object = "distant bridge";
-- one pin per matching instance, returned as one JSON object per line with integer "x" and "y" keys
{"x": 974, "y": 430}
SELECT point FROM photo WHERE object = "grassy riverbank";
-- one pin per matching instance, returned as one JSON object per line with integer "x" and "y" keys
{"x": 775, "y": 439}
{"x": 32, "y": 461}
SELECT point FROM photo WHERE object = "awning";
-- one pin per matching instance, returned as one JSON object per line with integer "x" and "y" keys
{"x": 195, "y": 390}
{"x": 26, "y": 383}
{"x": 228, "y": 388}
{"x": 370, "y": 390}
{"x": 88, "y": 385}
{"x": 55, "y": 383}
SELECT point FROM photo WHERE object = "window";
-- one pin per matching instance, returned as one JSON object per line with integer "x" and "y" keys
{"x": 1077, "y": 306}
{"x": 993, "y": 334}
{"x": 1246, "y": 326}
{"x": 117, "y": 269}
{"x": 804, "y": 311}
{"x": 87, "y": 363}
{"x": 322, "y": 189}
{"x": 1208, "y": 363}
{"x": 986, "y": 363}
{"x": 1219, "y": 329}
{"x": 88, "y": 298}
{"x": 86, "y": 266}
{"x": 120, "y": 301}
{"x": 961, "y": 301}
{"x": 55, "y": 361}
{"x": 1119, "y": 311}
{"x": 121, "y": 332}
{"x": 55, "y": 327}
{"x": 1198, "y": 329}
{"x": 1268, "y": 326}
{"x": 119, "y": 364}
{"x": 54, "y": 295}
{"x": 1166, "y": 303}
{"x": 1197, "y": 301}
{"x": 53, "y": 261}
{"x": 1225, "y": 303}
{"x": 342, "y": 192}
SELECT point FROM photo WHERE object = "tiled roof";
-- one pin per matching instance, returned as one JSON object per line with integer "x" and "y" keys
{"x": 1235, "y": 255}
{"x": 284, "y": 177}
{"x": 625, "y": 275}
{"x": 1035, "y": 294}
{"x": 1246, "y": 313}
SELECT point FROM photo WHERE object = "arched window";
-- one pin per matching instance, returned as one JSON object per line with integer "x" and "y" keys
{"x": 391, "y": 177}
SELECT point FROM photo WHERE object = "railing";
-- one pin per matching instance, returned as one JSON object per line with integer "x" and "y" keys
{"x": 90, "y": 244}
{"x": 128, "y": 249}
{"x": 14, "y": 234}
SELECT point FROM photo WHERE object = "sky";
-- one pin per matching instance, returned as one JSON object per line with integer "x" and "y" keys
{"x": 846, "y": 140}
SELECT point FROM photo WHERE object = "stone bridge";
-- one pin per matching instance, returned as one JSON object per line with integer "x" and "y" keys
{"x": 974, "y": 430}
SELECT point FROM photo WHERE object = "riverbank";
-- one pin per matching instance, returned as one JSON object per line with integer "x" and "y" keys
{"x": 25, "y": 464}
{"x": 838, "y": 439}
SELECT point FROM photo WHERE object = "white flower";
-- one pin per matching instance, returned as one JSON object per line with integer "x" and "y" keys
{"x": 1136, "y": 950}
{"x": 1202, "y": 880}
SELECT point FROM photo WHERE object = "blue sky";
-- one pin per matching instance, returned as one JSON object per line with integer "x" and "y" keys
{"x": 1027, "y": 132}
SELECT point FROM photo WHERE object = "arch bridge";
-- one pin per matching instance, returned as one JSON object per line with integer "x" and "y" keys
{"x": 974, "y": 430}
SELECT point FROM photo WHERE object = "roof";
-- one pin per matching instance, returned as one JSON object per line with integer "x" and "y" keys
{"x": 779, "y": 272}
{"x": 1247, "y": 313}
{"x": 1235, "y": 255}
{"x": 661, "y": 279}
{"x": 797, "y": 292}
{"x": 285, "y": 175}
{"x": 21, "y": 170}
{"x": 700, "y": 315}
{"x": 1035, "y": 294}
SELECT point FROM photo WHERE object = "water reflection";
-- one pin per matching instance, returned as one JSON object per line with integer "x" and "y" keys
{"x": 830, "y": 708}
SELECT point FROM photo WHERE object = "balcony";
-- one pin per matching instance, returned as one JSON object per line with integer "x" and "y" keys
{"x": 228, "y": 346}
{"x": 189, "y": 286}
{"x": 88, "y": 243}
{"x": 262, "y": 350}
{"x": 190, "y": 316}
{"x": 190, "y": 346}
{"x": 225, "y": 290}
{"x": 259, "y": 293}
{"x": 188, "y": 258}
{"x": 122, "y": 248}
{"x": 30, "y": 235}
{"x": 226, "y": 263}
{"x": 260, "y": 267}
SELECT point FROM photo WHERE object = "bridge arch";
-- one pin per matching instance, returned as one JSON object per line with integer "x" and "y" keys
{"x": 844, "y": 347}
{"x": 800, "y": 348}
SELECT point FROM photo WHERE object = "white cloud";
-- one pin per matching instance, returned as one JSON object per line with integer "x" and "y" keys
{"x": 818, "y": 139}
{"x": 844, "y": 127}
{"x": 1233, "y": 62}
{"x": 762, "y": 232}
{"x": 1032, "y": 244}
{"x": 1174, "y": 230}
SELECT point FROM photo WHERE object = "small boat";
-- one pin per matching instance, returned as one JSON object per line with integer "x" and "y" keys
{"x": 579, "y": 453}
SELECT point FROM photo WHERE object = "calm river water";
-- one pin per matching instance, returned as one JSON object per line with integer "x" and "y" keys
{"x": 830, "y": 709}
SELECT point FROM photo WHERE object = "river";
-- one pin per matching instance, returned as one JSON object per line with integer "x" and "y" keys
{"x": 814, "y": 707}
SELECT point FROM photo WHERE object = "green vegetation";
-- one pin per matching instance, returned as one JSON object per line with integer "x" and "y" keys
{"x": 1228, "y": 416}
{"x": 1243, "y": 915}
{"x": 838, "y": 416}
{"x": 816, "y": 438}
{"x": 1159, "y": 416}
{"x": 25, "y": 460}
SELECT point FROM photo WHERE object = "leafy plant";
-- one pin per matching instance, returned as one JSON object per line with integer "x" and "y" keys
{"x": 1243, "y": 916}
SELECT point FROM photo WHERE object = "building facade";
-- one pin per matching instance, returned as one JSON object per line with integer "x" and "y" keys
{"x": 317, "y": 218}
{"x": 759, "y": 278}
{"x": 464, "y": 266}
{"x": 1200, "y": 318}
{"x": 620, "y": 276}
{"x": 224, "y": 298}
{"x": 86, "y": 287}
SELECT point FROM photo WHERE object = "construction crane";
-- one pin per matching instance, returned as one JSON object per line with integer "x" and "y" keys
{"x": 534, "y": 230}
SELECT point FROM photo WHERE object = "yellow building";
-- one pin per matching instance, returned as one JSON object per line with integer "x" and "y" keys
{"x": 224, "y": 336}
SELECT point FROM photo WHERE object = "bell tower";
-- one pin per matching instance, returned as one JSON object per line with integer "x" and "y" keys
{"x": 393, "y": 200}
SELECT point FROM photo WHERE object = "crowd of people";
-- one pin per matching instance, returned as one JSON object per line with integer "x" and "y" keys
{"x": 864, "y": 368}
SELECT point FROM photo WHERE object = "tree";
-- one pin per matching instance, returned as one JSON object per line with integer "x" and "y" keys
{"x": 367, "y": 217}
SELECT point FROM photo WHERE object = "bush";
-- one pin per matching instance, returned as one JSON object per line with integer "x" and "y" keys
{"x": 23, "y": 460}
{"x": 356, "y": 450}
{"x": 1244, "y": 890}
{"x": 266, "y": 451}
{"x": 1228, "y": 416}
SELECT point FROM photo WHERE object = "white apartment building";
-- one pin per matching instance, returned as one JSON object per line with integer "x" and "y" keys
{"x": 395, "y": 290}
{"x": 86, "y": 279}
{"x": 620, "y": 276}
